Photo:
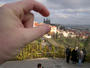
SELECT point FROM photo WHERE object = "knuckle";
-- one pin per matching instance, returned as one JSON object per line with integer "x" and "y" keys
{"x": 31, "y": 14}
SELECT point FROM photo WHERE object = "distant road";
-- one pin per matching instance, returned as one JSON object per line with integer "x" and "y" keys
{"x": 46, "y": 63}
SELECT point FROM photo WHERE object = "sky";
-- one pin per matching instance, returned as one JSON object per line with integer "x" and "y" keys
{"x": 65, "y": 11}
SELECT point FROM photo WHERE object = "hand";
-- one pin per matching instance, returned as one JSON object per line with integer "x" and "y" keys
{"x": 16, "y": 26}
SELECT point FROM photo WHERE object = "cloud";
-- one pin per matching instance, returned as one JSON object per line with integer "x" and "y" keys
{"x": 69, "y": 11}
{"x": 70, "y": 3}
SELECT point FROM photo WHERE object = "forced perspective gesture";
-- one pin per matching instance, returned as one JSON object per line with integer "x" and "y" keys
{"x": 16, "y": 26}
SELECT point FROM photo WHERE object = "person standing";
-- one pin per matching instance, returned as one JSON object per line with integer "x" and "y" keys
{"x": 74, "y": 56}
{"x": 68, "y": 54}
{"x": 77, "y": 54}
{"x": 81, "y": 56}
{"x": 84, "y": 52}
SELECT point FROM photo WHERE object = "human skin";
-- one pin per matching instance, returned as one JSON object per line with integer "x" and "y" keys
{"x": 16, "y": 27}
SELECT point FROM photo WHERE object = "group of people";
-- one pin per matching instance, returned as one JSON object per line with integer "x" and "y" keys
{"x": 76, "y": 55}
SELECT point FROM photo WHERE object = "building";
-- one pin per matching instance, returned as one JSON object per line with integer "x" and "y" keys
{"x": 46, "y": 21}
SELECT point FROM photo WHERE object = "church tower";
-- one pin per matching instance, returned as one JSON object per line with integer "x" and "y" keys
{"x": 46, "y": 21}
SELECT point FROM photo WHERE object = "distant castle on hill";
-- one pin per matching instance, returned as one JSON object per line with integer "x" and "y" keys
{"x": 46, "y": 21}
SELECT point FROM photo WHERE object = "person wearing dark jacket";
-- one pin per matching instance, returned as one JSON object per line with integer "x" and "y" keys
{"x": 74, "y": 56}
{"x": 84, "y": 52}
{"x": 68, "y": 54}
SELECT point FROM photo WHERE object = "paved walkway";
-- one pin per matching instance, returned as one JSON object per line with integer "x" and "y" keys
{"x": 46, "y": 63}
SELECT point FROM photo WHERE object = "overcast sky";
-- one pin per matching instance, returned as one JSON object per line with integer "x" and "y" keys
{"x": 65, "y": 11}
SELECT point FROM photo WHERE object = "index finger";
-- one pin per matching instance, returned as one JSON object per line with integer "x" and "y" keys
{"x": 28, "y": 5}
{"x": 36, "y": 6}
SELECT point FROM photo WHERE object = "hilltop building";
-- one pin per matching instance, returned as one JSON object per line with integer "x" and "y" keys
{"x": 46, "y": 21}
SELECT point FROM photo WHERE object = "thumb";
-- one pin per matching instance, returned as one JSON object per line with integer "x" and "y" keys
{"x": 31, "y": 34}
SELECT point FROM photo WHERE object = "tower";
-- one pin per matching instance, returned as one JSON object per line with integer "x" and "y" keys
{"x": 46, "y": 21}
